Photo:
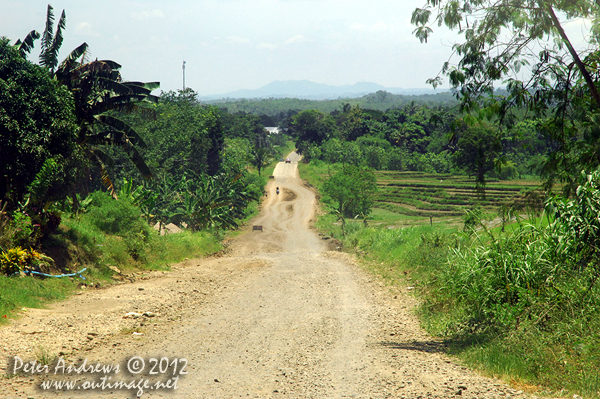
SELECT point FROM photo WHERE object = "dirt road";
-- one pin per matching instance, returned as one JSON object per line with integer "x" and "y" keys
{"x": 280, "y": 316}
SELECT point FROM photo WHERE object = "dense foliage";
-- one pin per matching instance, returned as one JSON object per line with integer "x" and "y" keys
{"x": 38, "y": 132}
{"x": 351, "y": 190}
{"x": 70, "y": 130}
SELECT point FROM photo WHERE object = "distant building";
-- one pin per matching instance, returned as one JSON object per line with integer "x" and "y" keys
{"x": 273, "y": 130}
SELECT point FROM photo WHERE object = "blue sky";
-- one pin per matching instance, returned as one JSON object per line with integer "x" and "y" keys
{"x": 244, "y": 44}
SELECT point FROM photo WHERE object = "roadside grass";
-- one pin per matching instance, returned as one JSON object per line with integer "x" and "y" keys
{"x": 78, "y": 245}
{"x": 506, "y": 303}
{"x": 174, "y": 248}
{"x": 19, "y": 293}
{"x": 109, "y": 236}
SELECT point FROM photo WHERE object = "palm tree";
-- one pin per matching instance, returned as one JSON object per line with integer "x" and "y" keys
{"x": 97, "y": 89}
{"x": 260, "y": 157}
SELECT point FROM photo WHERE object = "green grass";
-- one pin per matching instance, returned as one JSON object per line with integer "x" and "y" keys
{"x": 443, "y": 195}
{"x": 174, "y": 248}
{"x": 80, "y": 243}
{"x": 17, "y": 293}
{"x": 500, "y": 305}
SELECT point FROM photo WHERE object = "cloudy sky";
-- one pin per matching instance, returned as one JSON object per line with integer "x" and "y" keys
{"x": 244, "y": 44}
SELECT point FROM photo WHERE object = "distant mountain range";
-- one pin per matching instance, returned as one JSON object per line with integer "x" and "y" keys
{"x": 305, "y": 89}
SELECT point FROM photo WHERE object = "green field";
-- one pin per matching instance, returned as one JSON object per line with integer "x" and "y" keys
{"x": 447, "y": 196}
{"x": 409, "y": 198}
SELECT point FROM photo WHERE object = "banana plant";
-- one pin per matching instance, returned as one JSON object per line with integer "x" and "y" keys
{"x": 97, "y": 89}
{"x": 215, "y": 202}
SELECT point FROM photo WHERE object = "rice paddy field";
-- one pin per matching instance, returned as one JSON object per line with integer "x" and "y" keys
{"x": 409, "y": 198}
{"x": 445, "y": 196}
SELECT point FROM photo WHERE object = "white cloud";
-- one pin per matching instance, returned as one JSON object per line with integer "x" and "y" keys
{"x": 152, "y": 14}
{"x": 84, "y": 29}
{"x": 266, "y": 46}
{"x": 376, "y": 27}
{"x": 237, "y": 40}
{"x": 294, "y": 39}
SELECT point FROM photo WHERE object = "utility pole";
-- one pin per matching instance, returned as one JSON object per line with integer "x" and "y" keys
{"x": 183, "y": 67}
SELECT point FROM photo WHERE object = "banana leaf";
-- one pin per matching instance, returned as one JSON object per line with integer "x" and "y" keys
{"x": 119, "y": 125}
{"x": 27, "y": 44}
{"x": 71, "y": 62}
{"x": 111, "y": 64}
{"x": 122, "y": 88}
{"x": 102, "y": 160}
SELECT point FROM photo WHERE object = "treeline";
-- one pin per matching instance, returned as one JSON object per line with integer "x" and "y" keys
{"x": 419, "y": 138}
{"x": 428, "y": 133}
{"x": 274, "y": 111}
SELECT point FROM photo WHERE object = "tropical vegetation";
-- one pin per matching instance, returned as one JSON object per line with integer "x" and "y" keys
{"x": 93, "y": 162}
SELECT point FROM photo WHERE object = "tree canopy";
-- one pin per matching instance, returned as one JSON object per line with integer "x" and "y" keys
{"x": 37, "y": 127}
{"x": 524, "y": 45}
{"x": 351, "y": 188}
{"x": 311, "y": 126}
{"x": 502, "y": 36}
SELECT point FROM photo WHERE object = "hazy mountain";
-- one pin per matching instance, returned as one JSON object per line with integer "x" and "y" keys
{"x": 305, "y": 89}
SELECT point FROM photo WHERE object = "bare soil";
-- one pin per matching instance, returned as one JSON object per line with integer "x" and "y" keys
{"x": 280, "y": 316}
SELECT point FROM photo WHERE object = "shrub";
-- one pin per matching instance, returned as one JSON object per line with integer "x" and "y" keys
{"x": 120, "y": 218}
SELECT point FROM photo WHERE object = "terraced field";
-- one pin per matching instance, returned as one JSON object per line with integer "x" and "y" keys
{"x": 418, "y": 194}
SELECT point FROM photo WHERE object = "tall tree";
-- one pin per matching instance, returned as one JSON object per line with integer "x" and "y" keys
{"x": 478, "y": 148}
{"x": 311, "y": 126}
{"x": 186, "y": 136}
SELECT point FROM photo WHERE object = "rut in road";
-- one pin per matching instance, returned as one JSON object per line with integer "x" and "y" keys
{"x": 298, "y": 321}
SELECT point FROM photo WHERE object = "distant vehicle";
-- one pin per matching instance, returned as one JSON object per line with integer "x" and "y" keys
{"x": 288, "y": 160}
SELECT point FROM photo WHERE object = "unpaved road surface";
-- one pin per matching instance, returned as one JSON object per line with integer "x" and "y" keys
{"x": 279, "y": 316}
